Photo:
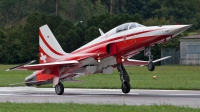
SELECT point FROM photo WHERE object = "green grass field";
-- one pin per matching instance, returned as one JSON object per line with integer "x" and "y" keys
{"x": 168, "y": 77}
{"x": 72, "y": 107}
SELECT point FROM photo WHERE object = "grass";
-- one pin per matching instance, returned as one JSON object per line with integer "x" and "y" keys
{"x": 168, "y": 77}
{"x": 11, "y": 77}
{"x": 192, "y": 33}
{"x": 72, "y": 107}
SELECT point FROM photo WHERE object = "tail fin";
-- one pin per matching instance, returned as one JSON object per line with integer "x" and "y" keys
{"x": 49, "y": 48}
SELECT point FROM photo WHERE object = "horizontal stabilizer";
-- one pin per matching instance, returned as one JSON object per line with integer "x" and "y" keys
{"x": 22, "y": 83}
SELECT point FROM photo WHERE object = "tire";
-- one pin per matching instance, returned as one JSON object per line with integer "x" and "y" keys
{"x": 151, "y": 66}
{"x": 126, "y": 87}
{"x": 59, "y": 89}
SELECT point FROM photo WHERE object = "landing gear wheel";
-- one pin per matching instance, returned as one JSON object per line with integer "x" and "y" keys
{"x": 151, "y": 66}
{"x": 126, "y": 87}
{"x": 59, "y": 89}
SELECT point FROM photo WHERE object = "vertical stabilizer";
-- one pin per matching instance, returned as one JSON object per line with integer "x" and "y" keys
{"x": 49, "y": 48}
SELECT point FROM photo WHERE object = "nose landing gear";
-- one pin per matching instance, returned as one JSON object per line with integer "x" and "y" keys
{"x": 151, "y": 65}
{"x": 147, "y": 52}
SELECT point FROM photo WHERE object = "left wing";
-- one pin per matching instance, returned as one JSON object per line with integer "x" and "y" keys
{"x": 132, "y": 62}
{"x": 41, "y": 66}
{"x": 72, "y": 59}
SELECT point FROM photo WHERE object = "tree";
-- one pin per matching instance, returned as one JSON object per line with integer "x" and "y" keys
{"x": 63, "y": 27}
{"x": 54, "y": 21}
{"x": 11, "y": 47}
{"x": 81, "y": 34}
{"x": 30, "y": 36}
{"x": 137, "y": 18}
{"x": 47, "y": 6}
{"x": 6, "y": 9}
{"x": 61, "y": 32}
{"x": 91, "y": 34}
{"x": 2, "y": 43}
{"x": 73, "y": 40}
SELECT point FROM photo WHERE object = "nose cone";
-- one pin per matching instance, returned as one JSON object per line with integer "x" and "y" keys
{"x": 177, "y": 29}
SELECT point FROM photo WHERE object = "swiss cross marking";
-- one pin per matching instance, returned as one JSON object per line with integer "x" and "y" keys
{"x": 43, "y": 57}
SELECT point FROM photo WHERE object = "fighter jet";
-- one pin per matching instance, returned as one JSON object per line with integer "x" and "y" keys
{"x": 110, "y": 50}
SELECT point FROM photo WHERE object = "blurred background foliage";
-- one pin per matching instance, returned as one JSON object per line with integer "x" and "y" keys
{"x": 76, "y": 22}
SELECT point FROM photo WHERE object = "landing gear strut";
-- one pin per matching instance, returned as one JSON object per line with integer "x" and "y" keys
{"x": 59, "y": 89}
{"x": 124, "y": 77}
{"x": 147, "y": 52}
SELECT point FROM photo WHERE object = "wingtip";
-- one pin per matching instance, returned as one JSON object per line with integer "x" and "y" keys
{"x": 13, "y": 68}
{"x": 168, "y": 57}
{"x": 8, "y": 70}
{"x": 32, "y": 61}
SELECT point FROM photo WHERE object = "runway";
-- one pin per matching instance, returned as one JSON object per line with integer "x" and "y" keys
{"x": 101, "y": 96}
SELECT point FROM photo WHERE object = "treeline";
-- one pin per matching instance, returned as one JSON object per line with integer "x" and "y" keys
{"x": 180, "y": 11}
{"x": 16, "y": 11}
{"x": 76, "y": 22}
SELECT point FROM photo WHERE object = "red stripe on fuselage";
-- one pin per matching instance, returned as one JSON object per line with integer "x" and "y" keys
{"x": 131, "y": 46}
{"x": 45, "y": 42}
{"x": 110, "y": 40}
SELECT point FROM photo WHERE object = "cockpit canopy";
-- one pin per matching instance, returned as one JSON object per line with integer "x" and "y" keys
{"x": 128, "y": 26}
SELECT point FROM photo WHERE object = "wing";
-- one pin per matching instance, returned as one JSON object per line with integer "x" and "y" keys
{"x": 132, "y": 62}
{"x": 41, "y": 66}
{"x": 71, "y": 59}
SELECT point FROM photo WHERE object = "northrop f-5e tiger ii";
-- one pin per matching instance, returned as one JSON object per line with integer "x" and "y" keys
{"x": 110, "y": 50}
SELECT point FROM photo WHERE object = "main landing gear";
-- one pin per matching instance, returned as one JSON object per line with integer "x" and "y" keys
{"x": 59, "y": 89}
{"x": 147, "y": 52}
{"x": 124, "y": 77}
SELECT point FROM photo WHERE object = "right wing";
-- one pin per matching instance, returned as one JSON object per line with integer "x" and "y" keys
{"x": 132, "y": 62}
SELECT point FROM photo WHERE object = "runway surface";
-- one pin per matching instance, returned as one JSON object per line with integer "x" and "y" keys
{"x": 101, "y": 96}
